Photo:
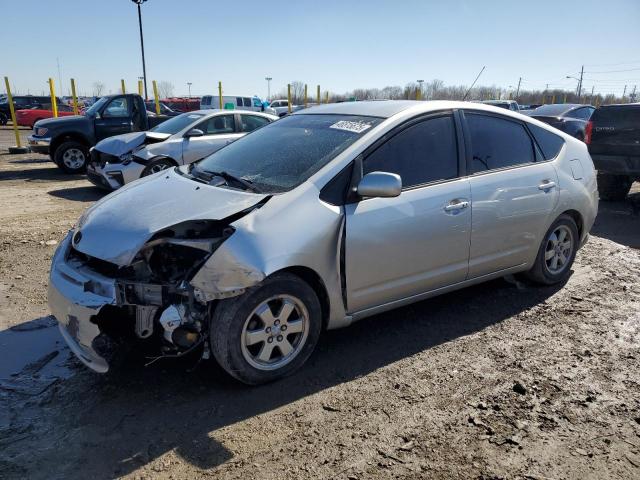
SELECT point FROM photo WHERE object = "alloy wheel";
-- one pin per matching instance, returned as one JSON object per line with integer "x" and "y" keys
{"x": 73, "y": 158}
{"x": 275, "y": 332}
{"x": 558, "y": 250}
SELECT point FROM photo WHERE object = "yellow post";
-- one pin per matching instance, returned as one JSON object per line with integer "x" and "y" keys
{"x": 326, "y": 96}
{"x": 13, "y": 112}
{"x": 565, "y": 98}
{"x": 140, "y": 88}
{"x": 418, "y": 94}
{"x": 319, "y": 100}
{"x": 543, "y": 97}
{"x": 75, "y": 97}
{"x": 289, "y": 96}
{"x": 54, "y": 103}
{"x": 305, "y": 96}
{"x": 553, "y": 98}
{"x": 124, "y": 90}
{"x": 155, "y": 96}
{"x": 220, "y": 94}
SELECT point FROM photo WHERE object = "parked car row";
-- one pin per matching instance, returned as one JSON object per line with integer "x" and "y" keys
{"x": 311, "y": 222}
{"x": 182, "y": 140}
{"x": 67, "y": 140}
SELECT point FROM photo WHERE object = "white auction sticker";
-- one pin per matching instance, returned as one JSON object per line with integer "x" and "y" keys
{"x": 355, "y": 127}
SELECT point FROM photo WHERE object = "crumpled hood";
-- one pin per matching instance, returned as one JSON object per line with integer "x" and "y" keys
{"x": 115, "y": 228}
{"x": 121, "y": 144}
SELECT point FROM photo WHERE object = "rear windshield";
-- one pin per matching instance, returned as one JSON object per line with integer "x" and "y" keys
{"x": 617, "y": 114}
{"x": 175, "y": 124}
{"x": 283, "y": 154}
{"x": 552, "y": 110}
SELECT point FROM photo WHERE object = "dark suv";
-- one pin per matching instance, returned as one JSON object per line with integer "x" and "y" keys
{"x": 21, "y": 102}
{"x": 613, "y": 136}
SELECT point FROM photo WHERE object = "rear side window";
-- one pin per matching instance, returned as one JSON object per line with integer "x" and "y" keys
{"x": 206, "y": 100}
{"x": 422, "y": 153}
{"x": 498, "y": 143}
{"x": 247, "y": 102}
{"x": 239, "y": 101}
{"x": 217, "y": 125}
{"x": 549, "y": 143}
{"x": 251, "y": 122}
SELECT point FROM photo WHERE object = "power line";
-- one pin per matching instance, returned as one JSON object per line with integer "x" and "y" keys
{"x": 617, "y": 71}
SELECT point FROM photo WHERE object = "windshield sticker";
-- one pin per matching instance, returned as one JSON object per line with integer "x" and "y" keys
{"x": 355, "y": 127}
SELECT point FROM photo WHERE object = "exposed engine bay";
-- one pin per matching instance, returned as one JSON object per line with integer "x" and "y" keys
{"x": 154, "y": 300}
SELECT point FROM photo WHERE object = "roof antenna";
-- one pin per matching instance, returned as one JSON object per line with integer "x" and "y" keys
{"x": 474, "y": 82}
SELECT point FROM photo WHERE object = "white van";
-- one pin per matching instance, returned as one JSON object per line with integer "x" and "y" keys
{"x": 231, "y": 103}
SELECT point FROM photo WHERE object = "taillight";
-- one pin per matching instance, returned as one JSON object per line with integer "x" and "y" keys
{"x": 587, "y": 132}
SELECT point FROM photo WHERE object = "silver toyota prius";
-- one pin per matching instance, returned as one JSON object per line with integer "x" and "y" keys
{"x": 183, "y": 139}
{"x": 325, "y": 217}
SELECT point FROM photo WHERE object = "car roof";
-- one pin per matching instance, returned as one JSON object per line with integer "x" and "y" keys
{"x": 389, "y": 108}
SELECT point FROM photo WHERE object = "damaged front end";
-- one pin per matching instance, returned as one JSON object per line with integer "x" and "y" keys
{"x": 102, "y": 306}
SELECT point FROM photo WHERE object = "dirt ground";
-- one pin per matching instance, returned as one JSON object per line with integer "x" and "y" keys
{"x": 502, "y": 380}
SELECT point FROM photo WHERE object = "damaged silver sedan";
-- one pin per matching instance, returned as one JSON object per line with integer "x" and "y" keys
{"x": 327, "y": 216}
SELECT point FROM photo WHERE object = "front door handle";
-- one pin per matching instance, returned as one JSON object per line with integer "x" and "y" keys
{"x": 546, "y": 185}
{"x": 456, "y": 205}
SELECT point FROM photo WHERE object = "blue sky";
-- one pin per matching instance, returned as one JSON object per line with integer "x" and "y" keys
{"x": 339, "y": 44}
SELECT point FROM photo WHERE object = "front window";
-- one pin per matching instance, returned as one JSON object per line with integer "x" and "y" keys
{"x": 95, "y": 108}
{"x": 285, "y": 153}
{"x": 119, "y": 107}
{"x": 177, "y": 123}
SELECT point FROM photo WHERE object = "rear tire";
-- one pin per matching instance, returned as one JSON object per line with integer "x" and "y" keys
{"x": 268, "y": 332}
{"x": 3, "y": 119}
{"x": 556, "y": 253}
{"x": 72, "y": 157}
{"x": 613, "y": 187}
{"x": 156, "y": 166}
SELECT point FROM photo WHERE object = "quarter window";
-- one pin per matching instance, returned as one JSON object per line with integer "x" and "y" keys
{"x": 422, "y": 153}
{"x": 498, "y": 143}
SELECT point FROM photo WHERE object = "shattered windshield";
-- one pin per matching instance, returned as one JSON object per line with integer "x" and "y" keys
{"x": 177, "y": 123}
{"x": 283, "y": 154}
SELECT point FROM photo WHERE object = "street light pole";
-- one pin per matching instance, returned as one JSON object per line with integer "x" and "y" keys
{"x": 420, "y": 82}
{"x": 189, "y": 84}
{"x": 268, "y": 79}
{"x": 144, "y": 67}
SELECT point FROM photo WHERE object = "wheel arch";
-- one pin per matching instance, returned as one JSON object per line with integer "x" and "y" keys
{"x": 163, "y": 157}
{"x": 577, "y": 217}
{"x": 314, "y": 280}
{"x": 66, "y": 137}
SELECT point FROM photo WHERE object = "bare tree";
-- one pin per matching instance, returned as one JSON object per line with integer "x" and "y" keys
{"x": 98, "y": 88}
{"x": 165, "y": 89}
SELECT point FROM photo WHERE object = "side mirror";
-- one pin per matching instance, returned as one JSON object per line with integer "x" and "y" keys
{"x": 380, "y": 184}
{"x": 194, "y": 132}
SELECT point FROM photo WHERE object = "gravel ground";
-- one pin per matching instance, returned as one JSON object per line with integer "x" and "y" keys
{"x": 502, "y": 380}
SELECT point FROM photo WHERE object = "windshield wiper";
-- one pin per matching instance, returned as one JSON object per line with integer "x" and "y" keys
{"x": 248, "y": 184}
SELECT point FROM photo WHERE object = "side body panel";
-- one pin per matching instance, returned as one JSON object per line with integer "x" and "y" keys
{"x": 511, "y": 211}
{"x": 398, "y": 247}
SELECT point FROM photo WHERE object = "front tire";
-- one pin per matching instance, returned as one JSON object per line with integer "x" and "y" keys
{"x": 613, "y": 187}
{"x": 268, "y": 332}
{"x": 556, "y": 253}
{"x": 156, "y": 166}
{"x": 71, "y": 157}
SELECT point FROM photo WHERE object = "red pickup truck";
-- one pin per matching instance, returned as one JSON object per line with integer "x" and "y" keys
{"x": 28, "y": 117}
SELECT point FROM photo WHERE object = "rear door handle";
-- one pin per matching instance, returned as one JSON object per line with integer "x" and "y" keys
{"x": 456, "y": 205}
{"x": 546, "y": 185}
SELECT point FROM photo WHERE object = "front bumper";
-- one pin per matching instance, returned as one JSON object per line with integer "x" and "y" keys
{"x": 39, "y": 144}
{"x": 113, "y": 176}
{"x": 76, "y": 295}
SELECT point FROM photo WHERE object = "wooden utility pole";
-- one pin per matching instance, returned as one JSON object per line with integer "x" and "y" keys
{"x": 580, "y": 83}
{"x": 518, "y": 90}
